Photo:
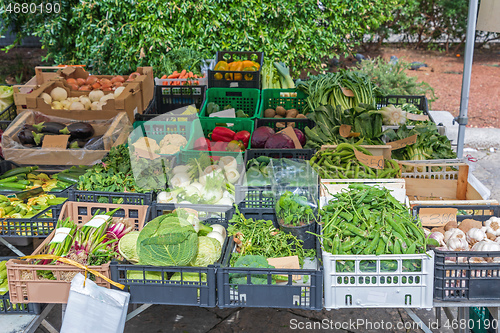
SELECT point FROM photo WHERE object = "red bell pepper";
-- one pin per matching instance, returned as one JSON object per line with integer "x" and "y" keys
{"x": 222, "y": 134}
{"x": 202, "y": 144}
{"x": 219, "y": 146}
{"x": 243, "y": 136}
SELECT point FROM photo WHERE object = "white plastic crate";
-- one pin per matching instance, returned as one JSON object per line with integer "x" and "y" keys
{"x": 370, "y": 281}
{"x": 433, "y": 169}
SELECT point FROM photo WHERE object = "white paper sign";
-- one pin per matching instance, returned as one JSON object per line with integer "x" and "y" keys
{"x": 489, "y": 11}
{"x": 97, "y": 221}
{"x": 60, "y": 236}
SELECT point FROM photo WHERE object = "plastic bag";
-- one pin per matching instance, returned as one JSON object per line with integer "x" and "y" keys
{"x": 94, "y": 309}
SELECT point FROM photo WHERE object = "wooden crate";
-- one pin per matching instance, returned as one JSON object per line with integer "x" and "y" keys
{"x": 34, "y": 156}
{"x": 38, "y": 290}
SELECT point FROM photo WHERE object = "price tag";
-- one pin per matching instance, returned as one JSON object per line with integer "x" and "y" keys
{"x": 347, "y": 92}
{"x": 417, "y": 117}
{"x": 97, "y": 221}
{"x": 436, "y": 217}
{"x": 60, "y": 236}
{"x": 291, "y": 133}
{"x": 403, "y": 142}
{"x": 291, "y": 262}
{"x": 345, "y": 130}
{"x": 375, "y": 162}
{"x": 55, "y": 141}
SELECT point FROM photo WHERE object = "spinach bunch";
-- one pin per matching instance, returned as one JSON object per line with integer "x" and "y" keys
{"x": 294, "y": 210}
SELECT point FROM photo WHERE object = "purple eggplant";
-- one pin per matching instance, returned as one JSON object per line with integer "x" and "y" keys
{"x": 76, "y": 144}
{"x": 27, "y": 137}
{"x": 78, "y": 130}
{"x": 51, "y": 127}
{"x": 95, "y": 143}
{"x": 30, "y": 128}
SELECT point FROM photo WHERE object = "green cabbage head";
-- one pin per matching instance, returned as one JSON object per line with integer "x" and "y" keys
{"x": 167, "y": 241}
{"x": 209, "y": 251}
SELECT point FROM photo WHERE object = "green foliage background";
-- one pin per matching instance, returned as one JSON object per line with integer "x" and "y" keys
{"x": 112, "y": 36}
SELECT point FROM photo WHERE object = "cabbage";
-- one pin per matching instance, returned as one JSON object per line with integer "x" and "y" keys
{"x": 209, "y": 251}
{"x": 6, "y": 97}
{"x": 189, "y": 276}
{"x": 127, "y": 246}
{"x": 167, "y": 241}
{"x": 138, "y": 275}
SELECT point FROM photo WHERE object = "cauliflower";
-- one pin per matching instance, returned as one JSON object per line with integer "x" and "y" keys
{"x": 146, "y": 144}
{"x": 173, "y": 139}
{"x": 169, "y": 149}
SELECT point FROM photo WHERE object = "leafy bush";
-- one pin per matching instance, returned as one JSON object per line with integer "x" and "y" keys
{"x": 391, "y": 79}
{"x": 116, "y": 36}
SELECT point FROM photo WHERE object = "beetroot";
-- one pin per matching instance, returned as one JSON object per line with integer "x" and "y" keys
{"x": 279, "y": 141}
{"x": 260, "y": 136}
{"x": 300, "y": 135}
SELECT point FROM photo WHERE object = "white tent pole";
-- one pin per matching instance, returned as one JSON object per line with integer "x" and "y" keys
{"x": 469, "y": 54}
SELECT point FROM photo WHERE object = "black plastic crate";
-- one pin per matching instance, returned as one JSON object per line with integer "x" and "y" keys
{"x": 6, "y": 307}
{"x": 243, "y": 83}
{"x": 35, "y": 226}
{"x": 164, "y": 291}
{"x": 284, "y": 295}
{"x": 303, "y": 154}
{"x": 127, "y": 198}
{"x": 397, "y": 100}
{"x": 456, "y": 276}
{"x": 7, "y": 115}
{"x": 279, "y": 124}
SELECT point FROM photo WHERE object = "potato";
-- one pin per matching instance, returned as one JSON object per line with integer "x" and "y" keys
{"x": 269, "y": 113}
{"x": 278, "y": 116}
{"x": 301, "y": 116}
{"x": 280, "y": 111}
{"x": 450, "y": 225}
{"x": 292, "y": 113}
{"x": 468, "y": 224}
{"x": 440, "y": 229}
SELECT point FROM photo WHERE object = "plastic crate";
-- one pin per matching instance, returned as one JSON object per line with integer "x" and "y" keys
{"x": 286, "y": 294}
{"x": 164, "y": 291}
{"x": 7, "y": 115}
{"x": 373, "y": 286}
{"x": 169, "y": 98}
{"x": 127, "y": 198}
{"x": 279, "y": 124}
{"x": 419, "y": 101}
{"x": 57, "y": 291}
{"x": 230, "y": 56}
{"x": 240, "y": 99}
{"x": 36, "y": 226}
{"x": 6, "y": 307}
{"x": 456, "y": 276}
{"x": 482, "y": 320}
{"x": 208, "y": 125}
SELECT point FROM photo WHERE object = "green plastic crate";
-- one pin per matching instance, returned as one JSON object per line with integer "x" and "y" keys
{"x": 271, "y": 98}
{"x": 478, "y": 317}
{"x": 208, "y": 125}
{"x": 239, "y": 98}
{"x": 157, "y": 130}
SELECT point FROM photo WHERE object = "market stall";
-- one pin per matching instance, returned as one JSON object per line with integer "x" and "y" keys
{"x": 245, "y": 189}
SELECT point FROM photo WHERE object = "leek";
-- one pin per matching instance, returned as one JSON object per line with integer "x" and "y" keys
{"x": 285, "y": 78}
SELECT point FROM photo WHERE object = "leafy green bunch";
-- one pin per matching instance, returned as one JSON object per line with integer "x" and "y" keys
{"x": 294, "y": 210}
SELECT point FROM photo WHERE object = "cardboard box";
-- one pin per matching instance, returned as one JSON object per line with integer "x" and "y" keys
{"x": 129, "y": 101}
{"x": 114, "y": 132}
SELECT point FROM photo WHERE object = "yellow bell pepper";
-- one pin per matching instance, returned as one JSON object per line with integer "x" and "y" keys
{"x": 221, "y": 66}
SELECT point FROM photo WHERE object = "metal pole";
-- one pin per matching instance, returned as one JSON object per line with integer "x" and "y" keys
{"x": 469, "y": 54}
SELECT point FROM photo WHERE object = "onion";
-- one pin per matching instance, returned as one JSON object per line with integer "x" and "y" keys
{"x": 77, "y": 106}
{"x": 66, "y": 104}
{"x": 58, "y": 94}
{"x": 439, "y": 237}
{"x": 118, "y": 91}
{"x": 96, "y": 95}
{"x": 96, "y": 106}
{"x": 86, "y": 102}
{"x": 105, "y": 98}
{"x": 46, "y": 98}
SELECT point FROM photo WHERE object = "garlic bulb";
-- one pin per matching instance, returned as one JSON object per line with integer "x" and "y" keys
{"x": 493, "y": 226}
{"x": 453, "y": 233}
{"x": 486, "y": 245}
{"x": 475, "y": 235}
{"x": 457, "y": 244}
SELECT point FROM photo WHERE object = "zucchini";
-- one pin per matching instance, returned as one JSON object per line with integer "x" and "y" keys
{"x": 17, "y": 171}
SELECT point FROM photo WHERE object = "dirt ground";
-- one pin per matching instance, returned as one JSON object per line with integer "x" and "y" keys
{"x": 444, "y": 74}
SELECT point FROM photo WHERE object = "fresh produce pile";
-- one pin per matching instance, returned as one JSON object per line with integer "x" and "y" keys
{"x": 16, "y": 208}
{"x": 176, "y": 239}
{"x": 242, "y": 69}
{"x": 341, "y": 163}
{"x": 365, "y": 122}
{"x": 182, "y": 60}
{"x": 266, "y": 137}
{"x": 204, "y": 180}
{"x": 6, "y": 97}
{"x": 28, "y": 177}
{"x": 213, "y": 108}
{"x": 4, "y": 285}
{"x": 430, "y": 144}
{"x": 94, "y": 83}
{"x": 58, "y": 99}
{"x": 469, "y": 235}
{"x": 115, "y": 174}
{"x": 294, "y": 210}
{"x": 281, "y": 112}
{"x": 368, "y": 220}
{"x": 257, "y": 173}
{"x": 183, "y": 74}
{"x": 410, "y": 108}
{"x": 276, "y": 75}
{"x": 260, "y": 237}
{"x": 223, "y": 139}
{"x": 331, "y": 89}
{"x": 81, "y": 135}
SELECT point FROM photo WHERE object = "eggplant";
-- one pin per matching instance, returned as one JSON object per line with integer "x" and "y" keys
{"x": 78, "y": 130}
{"x": 30, "y": 128}
{"x": 27, "y": 137}
{"x": 95, "y": 143}
{"x": 51, "y": 127}
{"x": 76, "y": 144}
